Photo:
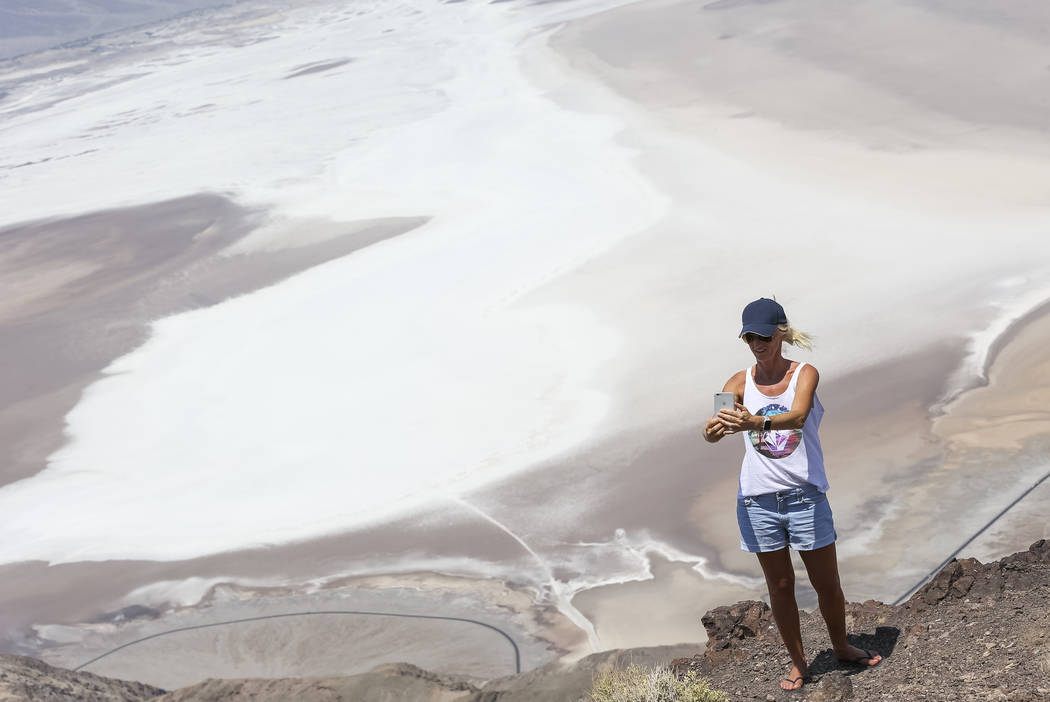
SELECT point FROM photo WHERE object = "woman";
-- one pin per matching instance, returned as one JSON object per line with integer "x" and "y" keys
{"x": 782, "y": 498}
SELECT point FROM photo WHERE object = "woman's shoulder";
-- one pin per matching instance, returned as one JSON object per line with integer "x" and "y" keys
{"x": 736, "y": 382}
{"x": 807, "y": 371}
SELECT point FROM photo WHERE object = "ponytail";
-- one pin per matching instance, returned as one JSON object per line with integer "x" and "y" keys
{"x": 795, "y": 337}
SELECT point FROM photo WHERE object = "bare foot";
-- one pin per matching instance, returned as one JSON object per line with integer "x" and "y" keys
{"x": 860, "y": 656}
{"x": 794, "y": 679}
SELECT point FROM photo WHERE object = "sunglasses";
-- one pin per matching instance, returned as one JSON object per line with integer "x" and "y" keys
{"x": 749, "y": 337}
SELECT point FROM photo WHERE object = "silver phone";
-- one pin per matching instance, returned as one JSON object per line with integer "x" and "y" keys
{"x": 724, "y": 400}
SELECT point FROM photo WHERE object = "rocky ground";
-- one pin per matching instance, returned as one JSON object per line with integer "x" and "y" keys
{"x": 24, "y": 678}
{"x": 975, "y": 632}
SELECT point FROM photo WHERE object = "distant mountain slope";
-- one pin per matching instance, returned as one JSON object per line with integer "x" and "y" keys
{"x": 32, "y": 25}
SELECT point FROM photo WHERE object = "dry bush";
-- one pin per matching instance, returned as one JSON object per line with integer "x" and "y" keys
{"x": 639, "y": 684}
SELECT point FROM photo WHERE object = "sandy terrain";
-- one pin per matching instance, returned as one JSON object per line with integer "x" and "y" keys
{"x": 1006, "y": 419}
{"x": 894, "y": 109}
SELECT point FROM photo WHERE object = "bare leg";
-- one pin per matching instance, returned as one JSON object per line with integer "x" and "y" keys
{"x": 780, "y": 580}
{"x": 822, "y": 566}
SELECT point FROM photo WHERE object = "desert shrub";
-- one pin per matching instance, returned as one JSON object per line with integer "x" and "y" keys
{"x": 636, "y": 683}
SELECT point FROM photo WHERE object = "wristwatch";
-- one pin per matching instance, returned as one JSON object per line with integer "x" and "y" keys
{"x": 767, "y": 423}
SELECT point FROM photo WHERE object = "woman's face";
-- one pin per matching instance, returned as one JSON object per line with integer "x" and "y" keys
{"x": 764, "y": 347}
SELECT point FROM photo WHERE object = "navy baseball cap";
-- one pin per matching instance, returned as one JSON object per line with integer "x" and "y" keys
{"x": 762, "y": 317}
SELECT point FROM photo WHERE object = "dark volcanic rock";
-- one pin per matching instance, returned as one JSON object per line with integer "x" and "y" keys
{"x": 728, "y": 626}
{"x": 969, "y": 578}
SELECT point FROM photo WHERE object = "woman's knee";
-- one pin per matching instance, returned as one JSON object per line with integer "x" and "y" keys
{"x": 781, "y": 586}
{"x": 830, "y": 593}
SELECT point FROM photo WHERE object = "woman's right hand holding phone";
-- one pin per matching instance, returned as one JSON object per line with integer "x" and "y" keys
{"x": 714, "y": 430}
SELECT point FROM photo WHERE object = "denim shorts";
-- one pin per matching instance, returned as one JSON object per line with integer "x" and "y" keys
{"x": 800, "y": 517}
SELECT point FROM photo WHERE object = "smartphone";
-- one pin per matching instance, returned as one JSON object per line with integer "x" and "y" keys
{"x": 724, "y": 400}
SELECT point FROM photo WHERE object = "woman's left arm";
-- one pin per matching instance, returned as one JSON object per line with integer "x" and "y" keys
{"x": 805, "y": 389}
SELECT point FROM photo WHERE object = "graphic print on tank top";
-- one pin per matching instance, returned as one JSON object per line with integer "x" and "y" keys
{"x": 775, "y": 443}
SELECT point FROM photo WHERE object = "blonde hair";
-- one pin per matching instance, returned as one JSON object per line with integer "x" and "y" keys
{"x": 795, "y": 337}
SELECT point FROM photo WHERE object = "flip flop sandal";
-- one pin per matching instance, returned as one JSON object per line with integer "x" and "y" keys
{"x": 868, "y": 655}
{"x": 793, "y": 681}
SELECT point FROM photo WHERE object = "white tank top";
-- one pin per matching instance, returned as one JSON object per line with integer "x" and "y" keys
{"x": 781, "y": 459}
